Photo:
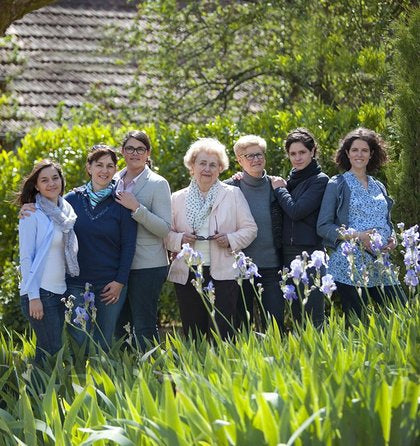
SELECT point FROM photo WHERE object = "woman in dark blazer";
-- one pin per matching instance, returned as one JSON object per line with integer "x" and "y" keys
{"x": 300, "y": 198}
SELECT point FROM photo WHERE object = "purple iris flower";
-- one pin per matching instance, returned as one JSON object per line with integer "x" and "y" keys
{"x": 89, "y": 298}
{"x": 376, "y": 243}
{"x": 296, "y": 269}
{"x": 318, "y": 260}
{"x": 348, "y": 248}
{"x": 305, "y": 278}
{"x": 253, "y": 270}
{"x": 347, "y": 233}
{"x": 186, "y": 251}
{"x": 247, "y": 269}
{"x": 411, "y": 278}
{"x": 81, "y": 316}
{"x": 328, "y": 285}
{"x": 289, "y": 292}
{"x": 210, "y": 287}
{"x": 412, "y": 256}
{"x": 411, "y": 237}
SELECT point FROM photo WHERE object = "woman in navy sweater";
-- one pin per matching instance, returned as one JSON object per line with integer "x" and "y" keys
{"x": 107, "y": 240}
{"x": 300, "y": 198}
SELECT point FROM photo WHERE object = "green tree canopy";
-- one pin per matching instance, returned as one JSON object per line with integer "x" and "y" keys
{"x": 214, "y": 57}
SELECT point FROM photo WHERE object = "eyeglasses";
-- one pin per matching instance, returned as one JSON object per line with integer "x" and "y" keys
{"x": 139, "y": 150}
{"x": 201, "y": 237}
{"x": 252, "y": 156}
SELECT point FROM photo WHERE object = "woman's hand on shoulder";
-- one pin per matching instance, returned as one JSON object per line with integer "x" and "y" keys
{"x": 26, "y": 210}
{"x": 128, "y": 200}
{"x": 36, "y": 309}
{"x": 237, "y": 176}
{"x": 278, "y": 182}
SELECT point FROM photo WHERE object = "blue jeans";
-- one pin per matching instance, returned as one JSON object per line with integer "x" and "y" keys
{"x": 140, "y": 308}
{"x": 272, "y": 298}
{"x": 49, "y": 329}
{"x": 106, "y": 316}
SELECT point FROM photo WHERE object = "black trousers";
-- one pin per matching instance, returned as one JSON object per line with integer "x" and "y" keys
{"x": 195, "y": 316}
{"x": 352, "y": 302}
{"x": 272, "y": 299}
{"x": 315, "y": 306}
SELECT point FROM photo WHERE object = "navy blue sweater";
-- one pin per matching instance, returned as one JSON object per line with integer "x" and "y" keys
{"x": 107, "y": 240}
{"x": 300, "y": 210}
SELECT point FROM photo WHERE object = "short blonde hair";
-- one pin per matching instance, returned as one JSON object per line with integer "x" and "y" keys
{"x": 208, "y": 145}
{"x": 249, "y": 140}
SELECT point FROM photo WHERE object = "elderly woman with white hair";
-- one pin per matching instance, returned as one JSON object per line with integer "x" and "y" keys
{"x": 215, "y": 219}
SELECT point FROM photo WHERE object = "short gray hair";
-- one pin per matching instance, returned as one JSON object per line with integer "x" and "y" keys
{"x": 208, "y": 145}
{"x": 249, "y": 140}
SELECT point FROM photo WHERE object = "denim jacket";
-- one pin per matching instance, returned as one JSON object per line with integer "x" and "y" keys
{"x": 35, "y": 237}
{"x": 335, "y": 206}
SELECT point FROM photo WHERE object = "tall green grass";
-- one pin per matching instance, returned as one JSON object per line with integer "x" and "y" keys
{"x": 341, "y": 386}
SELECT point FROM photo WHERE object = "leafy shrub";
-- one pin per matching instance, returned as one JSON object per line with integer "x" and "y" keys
{"x": 69, "y": 146}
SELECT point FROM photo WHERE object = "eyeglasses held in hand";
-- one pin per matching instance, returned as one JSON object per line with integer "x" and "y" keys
{"x": 252, "y": 156}
{"x": 201, "y": 237}
{"x": 139, "y": 150}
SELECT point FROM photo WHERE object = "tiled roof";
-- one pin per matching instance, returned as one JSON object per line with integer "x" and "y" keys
{"x": 61, "y": 46}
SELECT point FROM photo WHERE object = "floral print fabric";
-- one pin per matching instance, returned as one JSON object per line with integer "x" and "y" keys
{"x": 368, "y": 210}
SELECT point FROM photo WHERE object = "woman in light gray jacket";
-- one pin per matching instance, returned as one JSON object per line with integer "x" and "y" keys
{"x": 148, "y": 196}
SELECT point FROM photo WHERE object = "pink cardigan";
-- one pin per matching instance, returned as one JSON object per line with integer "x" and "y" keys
{"x": 233, "y": 218}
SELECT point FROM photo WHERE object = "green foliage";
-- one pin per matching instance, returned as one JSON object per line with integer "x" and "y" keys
{"x": 406, "y": 188}
{"x": 213, "y": 57}
{"x": 336, "y": 386}
{"x": 69, "y": 146}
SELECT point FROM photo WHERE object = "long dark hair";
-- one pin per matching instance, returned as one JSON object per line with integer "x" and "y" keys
{"x": 28, "y": 189}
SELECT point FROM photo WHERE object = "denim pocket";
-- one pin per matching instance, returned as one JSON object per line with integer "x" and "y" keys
{"x": 50, "y": 299}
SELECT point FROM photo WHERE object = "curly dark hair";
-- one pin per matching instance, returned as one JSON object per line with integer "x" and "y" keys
{"x": 28, "y": 189}
{"x": 301, "y": 135}
{"x": 376, "y": 145}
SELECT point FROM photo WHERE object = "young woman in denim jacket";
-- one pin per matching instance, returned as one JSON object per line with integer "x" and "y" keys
{"x": 48, "y": 249}
{"x": 359, "y": 202}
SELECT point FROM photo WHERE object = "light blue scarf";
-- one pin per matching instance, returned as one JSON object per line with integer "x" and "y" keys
{"x": 96, "y": 197}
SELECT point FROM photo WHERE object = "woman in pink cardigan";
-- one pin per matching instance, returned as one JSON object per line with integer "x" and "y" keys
{"x": 214, "y": 218}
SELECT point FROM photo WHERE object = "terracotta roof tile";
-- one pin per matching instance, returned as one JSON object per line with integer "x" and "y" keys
{"x": 61, "y": 46}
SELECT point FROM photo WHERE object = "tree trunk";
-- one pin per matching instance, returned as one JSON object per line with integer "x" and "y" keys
{"x": 12, "y": 10}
